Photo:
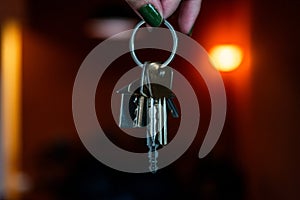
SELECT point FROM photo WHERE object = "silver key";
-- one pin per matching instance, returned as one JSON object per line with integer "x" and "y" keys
{"x": 160, "y": 84}
{"x": 158, "y": 80}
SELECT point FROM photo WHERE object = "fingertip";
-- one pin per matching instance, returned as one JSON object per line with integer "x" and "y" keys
{"x": 188, "y": 14}
{"x": 151, "y": 13}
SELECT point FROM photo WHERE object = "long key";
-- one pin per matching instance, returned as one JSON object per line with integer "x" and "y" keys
{"x": 154, "y": 115}
{"x": 160, "y": 84}
{"x": 157, "y": 84}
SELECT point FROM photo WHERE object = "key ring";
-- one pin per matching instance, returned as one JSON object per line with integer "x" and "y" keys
{"x": 175, "y": 44}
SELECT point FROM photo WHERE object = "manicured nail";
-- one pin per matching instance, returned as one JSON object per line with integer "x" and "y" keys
{"x": 151, "y": 15}
{"x": 191, "y": 31}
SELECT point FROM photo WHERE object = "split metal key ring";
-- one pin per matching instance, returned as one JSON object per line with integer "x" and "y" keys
{"x": 175, "y": 44}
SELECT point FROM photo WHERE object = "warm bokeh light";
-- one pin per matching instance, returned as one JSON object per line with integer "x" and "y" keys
{"x": 11, "y": 47}
{"x": 226, "y": 57}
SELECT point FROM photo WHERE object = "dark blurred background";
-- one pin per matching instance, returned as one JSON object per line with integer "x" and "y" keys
{"x": 257, "y": 156}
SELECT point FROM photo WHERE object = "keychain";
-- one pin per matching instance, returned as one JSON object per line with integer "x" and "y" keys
{"x": 150, "y": 103}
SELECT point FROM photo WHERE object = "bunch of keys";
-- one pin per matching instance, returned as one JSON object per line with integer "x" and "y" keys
{"x": 150, "y": 103}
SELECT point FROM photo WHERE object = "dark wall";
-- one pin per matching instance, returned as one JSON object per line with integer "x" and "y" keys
{"x": 276, "y": 96}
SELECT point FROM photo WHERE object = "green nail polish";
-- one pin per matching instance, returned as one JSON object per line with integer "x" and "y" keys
{"x": 151, "y": 15}
{"x": 191, "y": 32}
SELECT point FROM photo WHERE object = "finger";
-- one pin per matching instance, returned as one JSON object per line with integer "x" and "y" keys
{"x": 188, "y": 14}
{"x": 169, "y": 7}
{"x": 150, "y": 11}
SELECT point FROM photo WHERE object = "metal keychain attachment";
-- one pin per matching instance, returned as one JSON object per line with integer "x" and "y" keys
{"x": 175, "y": 44}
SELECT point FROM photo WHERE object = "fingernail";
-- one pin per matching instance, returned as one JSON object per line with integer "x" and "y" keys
{"x": 191, "y": 31}
{"x": 151, "y": 15}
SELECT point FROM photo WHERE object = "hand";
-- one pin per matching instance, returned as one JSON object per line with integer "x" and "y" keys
{"x": 154, "y": 11}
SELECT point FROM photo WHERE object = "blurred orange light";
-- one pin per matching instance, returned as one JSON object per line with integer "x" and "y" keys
{"x": 226, "y": 57}
{"x": 11, "y": 61}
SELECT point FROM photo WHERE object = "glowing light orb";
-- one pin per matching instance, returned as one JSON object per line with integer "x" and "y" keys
{"x": 226, "y": 57}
